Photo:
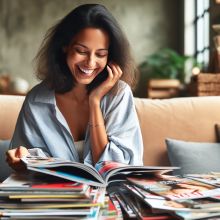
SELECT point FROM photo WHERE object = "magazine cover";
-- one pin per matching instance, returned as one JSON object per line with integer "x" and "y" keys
{"x": 203, "y": 203}
{"x": 171, "y": 206}
{"x": 197, "y": 215}
{"x": 141, "y": 192}
{"x": 139, "y": 207}
{"x": 86, "y": 214}
{"x": 212, "y": 179}
{"x": 24, "y": 182}
{"x": 174, "y": 188}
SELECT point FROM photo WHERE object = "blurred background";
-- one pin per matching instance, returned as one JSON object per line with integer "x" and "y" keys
{"x": 173, "y": 41}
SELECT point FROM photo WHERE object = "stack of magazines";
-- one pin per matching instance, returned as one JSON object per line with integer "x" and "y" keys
{"x": 169, "y": 197}
{"x": 53, "y": 188}
{"x": 29, "y": 196}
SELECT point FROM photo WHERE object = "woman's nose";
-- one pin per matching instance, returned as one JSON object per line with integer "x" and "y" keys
{"x": 91, "y": 61}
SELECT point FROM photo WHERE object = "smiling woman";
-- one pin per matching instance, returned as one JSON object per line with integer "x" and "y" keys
{"x": 87, "y": 55}
{"x": 86, "y": 70}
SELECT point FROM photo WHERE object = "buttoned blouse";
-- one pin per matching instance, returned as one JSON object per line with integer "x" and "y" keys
{"x": 41, "y": 124}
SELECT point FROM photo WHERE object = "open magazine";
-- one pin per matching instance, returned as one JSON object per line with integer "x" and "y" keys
{"x": 101, "y": 175}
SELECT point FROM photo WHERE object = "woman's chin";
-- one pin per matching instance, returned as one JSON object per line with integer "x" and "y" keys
{"x": 85, "y": 79}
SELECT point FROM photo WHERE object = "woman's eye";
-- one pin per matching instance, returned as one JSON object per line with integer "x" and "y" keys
{"x": 81, "y": 51}
{"x": 101, "y": 55}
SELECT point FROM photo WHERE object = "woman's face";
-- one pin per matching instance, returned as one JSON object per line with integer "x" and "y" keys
{"x": 87, "y": 55}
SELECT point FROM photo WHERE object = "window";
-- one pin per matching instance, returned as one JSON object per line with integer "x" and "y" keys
{"x": 197, "y": 23}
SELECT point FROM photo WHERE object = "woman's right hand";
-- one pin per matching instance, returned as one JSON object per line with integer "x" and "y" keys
{"x": 114, "y": 74}
{"x": 13, "y": 158}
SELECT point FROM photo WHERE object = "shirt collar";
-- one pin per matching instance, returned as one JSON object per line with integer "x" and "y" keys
{"x": 44, "y": 94}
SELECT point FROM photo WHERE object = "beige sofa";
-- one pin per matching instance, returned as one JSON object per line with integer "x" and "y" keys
{"x": 190, "y": 119}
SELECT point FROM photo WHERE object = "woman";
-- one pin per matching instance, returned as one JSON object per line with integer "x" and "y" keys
{"x": 81, "y": 111}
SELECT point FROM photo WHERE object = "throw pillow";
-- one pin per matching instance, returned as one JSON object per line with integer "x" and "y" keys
{"x": 5, "y": 170}
{"x": 193, "y": 157}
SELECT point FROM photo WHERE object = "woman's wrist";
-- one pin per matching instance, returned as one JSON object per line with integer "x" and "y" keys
{"x": 95, "y": 125}
{"x": 94, "y": 102}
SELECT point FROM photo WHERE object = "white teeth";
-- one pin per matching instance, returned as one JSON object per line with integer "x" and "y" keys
{"x": 86, "y": 71}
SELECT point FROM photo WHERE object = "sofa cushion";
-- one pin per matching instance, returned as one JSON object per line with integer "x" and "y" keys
{"x": 184, "y": 118}
{"x": 5, "y": 170}
{"x": 193, "y": 157}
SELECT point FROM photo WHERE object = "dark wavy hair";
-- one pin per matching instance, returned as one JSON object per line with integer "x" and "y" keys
{"x": 50, "y": 60}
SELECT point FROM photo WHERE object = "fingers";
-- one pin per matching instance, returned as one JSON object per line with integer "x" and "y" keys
{"x": 115, "y": 71}
{"x": 21, "y": 152}
{"x": 114, "y": 74}
{"x": 17, "y": 153}
{"x": 119, "y": 69}
{"x": 110, "y": 73}
{"x": 13, "y": 157}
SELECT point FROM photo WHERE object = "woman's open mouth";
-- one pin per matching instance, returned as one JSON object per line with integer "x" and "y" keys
{"x": 86, "y": 72}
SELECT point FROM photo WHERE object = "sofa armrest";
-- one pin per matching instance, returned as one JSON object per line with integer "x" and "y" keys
{"x": 10, "y": 106}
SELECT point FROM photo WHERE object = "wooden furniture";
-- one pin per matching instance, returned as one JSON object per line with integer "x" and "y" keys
{"x": 163, "y": 88}
{"x": 205, "y": 84}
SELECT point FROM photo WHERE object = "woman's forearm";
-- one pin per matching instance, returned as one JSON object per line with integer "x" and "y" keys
{"x": 98, "y": 134}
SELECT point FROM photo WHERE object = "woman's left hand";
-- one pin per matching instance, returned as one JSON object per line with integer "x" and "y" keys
{"x": 114, "y": 74}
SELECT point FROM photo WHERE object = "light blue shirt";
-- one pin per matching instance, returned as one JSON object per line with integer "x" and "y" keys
{"x": 41, "y": 124}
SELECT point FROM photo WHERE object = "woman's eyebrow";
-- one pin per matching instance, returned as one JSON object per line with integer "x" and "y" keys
{"x": 79, "y": 44}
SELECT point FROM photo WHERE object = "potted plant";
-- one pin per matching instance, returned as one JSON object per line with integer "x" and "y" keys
{"x": 164, "y": 64}
{"x": 165, "y": 69}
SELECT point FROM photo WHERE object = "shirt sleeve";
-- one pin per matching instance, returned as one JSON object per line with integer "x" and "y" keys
{"x": 26, "y": 132}
{"x": 123, "y": 130}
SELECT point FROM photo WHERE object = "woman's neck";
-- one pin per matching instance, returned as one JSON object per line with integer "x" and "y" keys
{"x": 79, "y": 94}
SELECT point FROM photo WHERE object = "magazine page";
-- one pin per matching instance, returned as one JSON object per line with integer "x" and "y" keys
{"x": 85, "y": 173}
{"x": 163, "y": 205}
{"x": 197, "y": 215}
{"x": 212, "y": 179}
{"x": 141, "y": 192}
{"x": 43, "y": 187}
{"x": 25, "y": 182}
{"x": 139, "y": 207}
{"x": 174, "y": 188}
{"x": 203, "y": 203}
{"x": 44, "y": 213}
{"x": 68, "y": 170}
{"x": 108, "y": 169}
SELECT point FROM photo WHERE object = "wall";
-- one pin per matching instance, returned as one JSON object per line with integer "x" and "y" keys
{"x": 149, "y": 25}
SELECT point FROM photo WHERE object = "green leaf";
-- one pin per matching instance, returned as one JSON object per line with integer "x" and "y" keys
{"x": 166, "y": 64}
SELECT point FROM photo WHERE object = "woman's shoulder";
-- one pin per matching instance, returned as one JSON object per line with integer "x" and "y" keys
{"x": 120, "y": 89}
{"x": 40, "y": 93}
{"x": 121, "y": 93}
